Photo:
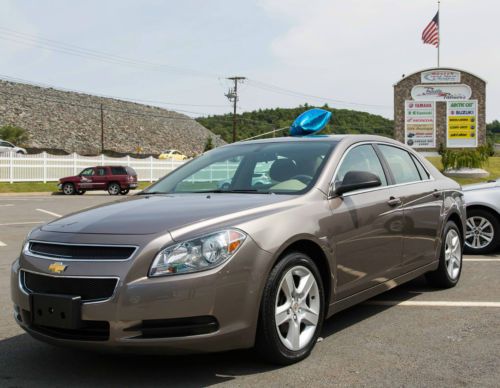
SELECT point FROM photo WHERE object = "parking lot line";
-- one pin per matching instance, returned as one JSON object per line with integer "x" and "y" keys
{"x": 486, "y": 259}
{"x": 7, "y": 205}
{"x": 49, "y": 213}
{"x": 431, "y": 303}
{"x": 23, "y": 223}
{"x": 2, "y": 244}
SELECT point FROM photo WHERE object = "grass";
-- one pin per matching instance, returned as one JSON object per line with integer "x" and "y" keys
{"x": 492, "y": 166}
{"x": 39, "y": 187}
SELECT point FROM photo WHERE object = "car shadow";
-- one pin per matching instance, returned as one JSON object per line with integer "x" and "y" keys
{"x": 25, "y": 361}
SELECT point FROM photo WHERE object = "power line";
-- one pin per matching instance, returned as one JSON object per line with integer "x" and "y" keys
{"x": 288, "y": 92}
{"x": 70, "y": 49}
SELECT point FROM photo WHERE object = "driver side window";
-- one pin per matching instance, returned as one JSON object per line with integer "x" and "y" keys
{"x": 361, "y": 158}
{"x": 87, "y": 172}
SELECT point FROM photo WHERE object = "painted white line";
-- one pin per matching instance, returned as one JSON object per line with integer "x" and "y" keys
{"x": 7, "y": 205}
{"x": 489, "y": 259}
{"x": 2, "y": 244}
{"x": 23, "y": 223}
{"x": 49, "y": 213}
{"x": 431, "y": 303}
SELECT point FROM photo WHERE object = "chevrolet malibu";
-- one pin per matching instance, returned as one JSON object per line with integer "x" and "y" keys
{"x": 187, "y": 266}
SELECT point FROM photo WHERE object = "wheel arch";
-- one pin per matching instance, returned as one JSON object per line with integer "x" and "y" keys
{"x": 485, "y": 208}
{"x": 317, "y": 251}
{"x": 455, "y": 217}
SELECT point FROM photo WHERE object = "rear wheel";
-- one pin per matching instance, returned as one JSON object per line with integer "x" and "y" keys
{"x": 450, "y": 261}
{"x": 114, "y": 189}
{"x": 292, "y": 310}
{"x": 483, "y": 232}
{"x": 69, "y": 189}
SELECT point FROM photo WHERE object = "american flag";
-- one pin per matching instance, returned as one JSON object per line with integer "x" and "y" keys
{"x": 431, "y": 32}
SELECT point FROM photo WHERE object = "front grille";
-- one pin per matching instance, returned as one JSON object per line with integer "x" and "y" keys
{"x": 176, "y": 327}
{"x": 90, "y": 289}
{"x": 90, "y": 331}
{"x": 81, "y": 252}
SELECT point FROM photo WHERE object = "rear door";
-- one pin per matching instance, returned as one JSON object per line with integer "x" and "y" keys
{"x": 422, "y": 203}
{"x": 100, "y": 181}
{"x": 365, "y": 227}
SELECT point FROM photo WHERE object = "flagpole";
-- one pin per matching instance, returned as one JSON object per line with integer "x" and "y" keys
{"x": 439, "y": 30}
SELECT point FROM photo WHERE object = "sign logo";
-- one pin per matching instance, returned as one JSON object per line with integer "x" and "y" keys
{"x": 441, "y": 92}
{"x": 57, "y": 268}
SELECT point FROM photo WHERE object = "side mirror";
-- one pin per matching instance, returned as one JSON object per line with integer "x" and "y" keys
{"x": 357, "y": 180}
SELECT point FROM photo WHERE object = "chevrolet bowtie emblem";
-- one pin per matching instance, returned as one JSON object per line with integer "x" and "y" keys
{"x": 57, "y": 268}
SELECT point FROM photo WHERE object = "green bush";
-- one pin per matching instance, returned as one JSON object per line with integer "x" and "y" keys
{"x": 465, "y": 158}
{"x": 13, "y": 134}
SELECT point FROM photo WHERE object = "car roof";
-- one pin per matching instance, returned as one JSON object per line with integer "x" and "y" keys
{"x": 324, "y": 138}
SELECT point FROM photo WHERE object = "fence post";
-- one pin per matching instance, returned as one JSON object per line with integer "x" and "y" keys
{"x": 44, "y": 167}
{"x": 11, "y": 167}
{"x": 171, "y": 165}
{"x": 128, "y": 160}
{"x": 74, "y": 163}
{"x": 150, "y": 169}
{"x": 102, "y": 159}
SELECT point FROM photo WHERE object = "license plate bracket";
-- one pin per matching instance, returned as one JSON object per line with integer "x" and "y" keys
{"x": 59, "y": 311}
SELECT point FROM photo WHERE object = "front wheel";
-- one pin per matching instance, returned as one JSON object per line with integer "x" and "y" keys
{"x": 114, "y": 189}
{"x": 292, "y": 310}
{"x": 450, "y": 260}
{"x": 69, "y": 189}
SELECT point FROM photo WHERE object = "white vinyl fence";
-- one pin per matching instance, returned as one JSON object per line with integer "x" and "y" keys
{"x": 45, "y": 167}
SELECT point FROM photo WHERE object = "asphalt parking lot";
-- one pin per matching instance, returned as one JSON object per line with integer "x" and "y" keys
{"x": 410, "y": 336}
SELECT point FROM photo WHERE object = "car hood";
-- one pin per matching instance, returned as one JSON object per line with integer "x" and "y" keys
{"x": 153, "y": 214}
{"x": 481, "y": 186}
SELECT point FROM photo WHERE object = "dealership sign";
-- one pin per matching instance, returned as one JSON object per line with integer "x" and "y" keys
{"x": 461, "y": 120}
{"x": 420, "y": 124}
{"x": 441, "y": 92}
{"x": 440, "y": 76}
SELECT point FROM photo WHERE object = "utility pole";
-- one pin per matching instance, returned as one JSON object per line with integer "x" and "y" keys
{"x": 102, "y": 129}
{"x": 232, "y": 96}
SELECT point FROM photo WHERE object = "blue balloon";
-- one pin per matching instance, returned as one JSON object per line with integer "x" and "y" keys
{"x": 309, "y": 122}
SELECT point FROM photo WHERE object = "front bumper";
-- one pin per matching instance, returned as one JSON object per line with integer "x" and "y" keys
{"x": 223, "y": 303}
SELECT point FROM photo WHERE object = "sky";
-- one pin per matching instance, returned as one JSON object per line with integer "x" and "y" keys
{"x": 177, "y": 55}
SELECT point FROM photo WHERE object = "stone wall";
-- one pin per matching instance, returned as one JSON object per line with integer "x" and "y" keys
{"x": 61, "y": 120}
{"x": 402, "y": 92}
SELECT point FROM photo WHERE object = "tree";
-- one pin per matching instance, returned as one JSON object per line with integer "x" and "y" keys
{"x": 494, "y": 126}
{"x": 13, "y": 134}
{"x": 209, "y": 144}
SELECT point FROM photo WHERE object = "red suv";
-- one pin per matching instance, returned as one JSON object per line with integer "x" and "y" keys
{"x": 115, "y": 179}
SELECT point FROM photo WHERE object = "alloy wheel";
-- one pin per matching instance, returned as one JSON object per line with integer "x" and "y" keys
{"x": 68, "y": 189}
{"x": 479, "y": 232}
{"x": 453, "y": 254}
{"x": 297, "y": 308}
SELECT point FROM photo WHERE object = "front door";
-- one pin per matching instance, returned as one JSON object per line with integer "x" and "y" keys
{"x": 87, "y": 178}
{"x": 366, "y": 228}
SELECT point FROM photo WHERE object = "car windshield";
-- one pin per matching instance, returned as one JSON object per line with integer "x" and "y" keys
{"x": 275, "y": 167}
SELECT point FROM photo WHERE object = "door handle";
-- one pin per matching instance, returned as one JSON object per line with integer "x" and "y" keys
{"x": 393, "y": 201}
{"x": 436, "y": 193}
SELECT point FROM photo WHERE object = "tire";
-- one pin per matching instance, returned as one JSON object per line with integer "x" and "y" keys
{"x": 69, "y": 189}
{"x": 124, "y": 191}
{"x": 450, "y": 260}
{"x": 278, "y": 344}
{"x": 482, "y": 225}
{"x": 114, "y": 188}
{"x": 81, "y": 192}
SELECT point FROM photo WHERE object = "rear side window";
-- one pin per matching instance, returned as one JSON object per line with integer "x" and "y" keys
{"x": 131, "y": 171}
{"x": 118, "y": 171}
{"x": 361, "y": 158}
{"x": 424, "y": 175}
{"x": 101, "y": 171}
{"x": 401, "y": 164}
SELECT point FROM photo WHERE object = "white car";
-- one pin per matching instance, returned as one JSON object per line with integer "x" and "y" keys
{"x": 6, "y": 147}
{"x": 483, "y": 217}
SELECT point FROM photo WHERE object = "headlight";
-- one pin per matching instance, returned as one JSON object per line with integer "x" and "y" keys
{"x": 195, "y": 255}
